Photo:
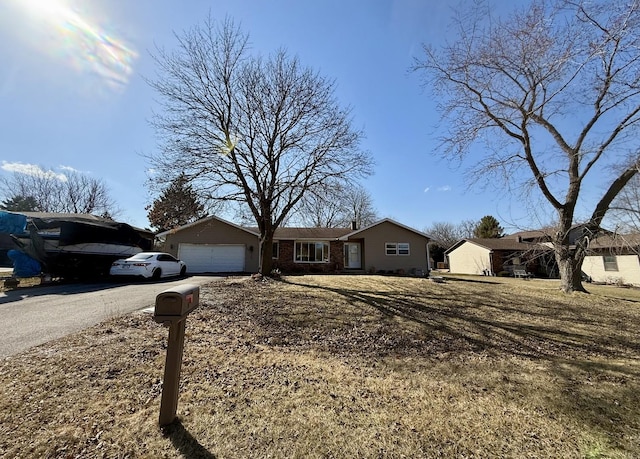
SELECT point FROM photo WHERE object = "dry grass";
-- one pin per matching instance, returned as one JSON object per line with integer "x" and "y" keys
{"x": 345, "y": 366}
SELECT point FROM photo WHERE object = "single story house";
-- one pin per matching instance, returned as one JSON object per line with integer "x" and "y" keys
{"x": 614, "y": 258}
{"x": 216, "y": 245}
{"x": 491, "y": 256}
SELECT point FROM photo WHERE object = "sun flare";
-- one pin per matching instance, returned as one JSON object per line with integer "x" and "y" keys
{"x": 83, "y": 44}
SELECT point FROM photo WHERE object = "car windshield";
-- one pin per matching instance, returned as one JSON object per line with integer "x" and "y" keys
{"x": 141, "y": 256}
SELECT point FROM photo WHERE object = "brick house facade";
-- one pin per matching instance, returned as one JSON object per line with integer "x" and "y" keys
{"x": 286, "y": 259}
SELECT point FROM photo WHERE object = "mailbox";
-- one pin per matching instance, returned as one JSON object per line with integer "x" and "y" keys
{"x": 174, "y": 304}
{"x": 172, "y": 308}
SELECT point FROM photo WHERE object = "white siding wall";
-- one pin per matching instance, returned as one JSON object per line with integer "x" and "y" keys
{"x": 628, "y": 269}
{"x": 469, "y": 259}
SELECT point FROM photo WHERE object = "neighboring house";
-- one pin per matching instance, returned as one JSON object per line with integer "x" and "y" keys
{"x": 613, "y": 258}
{"x": 491, "y": 256}
{"x": 537, "y": 236}
{"x": 215, "y": 245}
{"x": 544, "y": 236}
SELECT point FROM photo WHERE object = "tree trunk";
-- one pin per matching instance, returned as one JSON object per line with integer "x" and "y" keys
{"x": 570, "y": 271}
{"x": 266, "y": 254}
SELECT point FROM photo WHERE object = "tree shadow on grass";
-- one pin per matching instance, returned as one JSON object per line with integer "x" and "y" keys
{"x": 185, "y": 443}
{"x": 499, "y": 322}
{"x": 474, "y": 280}
{"x": 586, "y": 348}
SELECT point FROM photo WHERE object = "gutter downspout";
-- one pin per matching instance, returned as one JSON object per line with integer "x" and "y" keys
{"x": 260, "y": 255}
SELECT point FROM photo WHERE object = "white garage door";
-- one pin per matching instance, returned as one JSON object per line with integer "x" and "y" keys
{"x": 203, "y": 258}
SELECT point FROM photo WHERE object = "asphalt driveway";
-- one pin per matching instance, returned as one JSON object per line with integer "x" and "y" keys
{"x": 33, "y": 316}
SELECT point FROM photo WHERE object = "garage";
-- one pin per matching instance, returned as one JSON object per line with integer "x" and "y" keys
{"x": 213, "y": 258}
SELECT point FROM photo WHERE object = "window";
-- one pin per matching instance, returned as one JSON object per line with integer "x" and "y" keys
{"x": 396, "y": 248}
{"x": 391, "y": 248}
{"x": 312, "y": 252}
{"x": 610, "y": 263}
{"x": 276, "y": 250}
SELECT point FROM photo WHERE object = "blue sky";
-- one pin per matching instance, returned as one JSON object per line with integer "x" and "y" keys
{"x": 73, "y": 95}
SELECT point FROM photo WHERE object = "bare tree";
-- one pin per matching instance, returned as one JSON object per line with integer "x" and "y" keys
{"x": 446, "y": 234}
{"x": 553, "y": 91}
{"x": 336, "y": 206}
{"x": 71, "y": 192}
{"x": 625, "y": 209}
{"x": 359, "y": 208}
{"x": 467, "y": 228}
{"x": 320, "y": 208}
{"x": 259, "y": 132}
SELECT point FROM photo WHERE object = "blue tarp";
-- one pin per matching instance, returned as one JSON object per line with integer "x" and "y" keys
{"x": 12, "y": 223}
{"x": 23, "y": 264}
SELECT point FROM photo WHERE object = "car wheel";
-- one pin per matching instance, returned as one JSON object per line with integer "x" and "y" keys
{"x": 183, "y": 271}
{"x": 156, "y": 274}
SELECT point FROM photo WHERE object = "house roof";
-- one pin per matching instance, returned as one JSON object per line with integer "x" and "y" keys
{"x": 615, "y": 241}
{"x": 308, "y": 233}
{"x": 297, "y": 233}
{"x": 533, "y": 235}
{"x": 204, "y": 220}
{"x": 545, "y": 234}
{"x": 496, "y": 244}
{"x": 352, "y": 233}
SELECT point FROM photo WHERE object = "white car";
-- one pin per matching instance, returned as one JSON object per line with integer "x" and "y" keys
{"x": 149, "y": 265}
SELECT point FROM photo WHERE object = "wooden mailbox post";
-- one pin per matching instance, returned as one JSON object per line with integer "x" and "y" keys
{"x": 172, "y": 308}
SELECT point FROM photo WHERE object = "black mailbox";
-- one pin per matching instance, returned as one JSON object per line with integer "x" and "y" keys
{"x": 174, "y": 304}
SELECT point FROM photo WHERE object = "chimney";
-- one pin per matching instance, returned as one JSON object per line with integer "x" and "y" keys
{"x": 354, "y": 225}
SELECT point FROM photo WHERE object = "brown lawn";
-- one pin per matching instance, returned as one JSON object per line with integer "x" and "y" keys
{"x": 345, "y": 366}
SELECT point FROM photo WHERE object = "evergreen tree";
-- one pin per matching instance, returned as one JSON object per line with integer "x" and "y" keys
{"x": 20, "y": 204}
{"x": 488, "y": 227}
{"x": 177, "y": 205}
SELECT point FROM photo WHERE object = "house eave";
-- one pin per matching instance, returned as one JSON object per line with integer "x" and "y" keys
{"x": 385, "y": 220}
{"x": 203, "y": 221}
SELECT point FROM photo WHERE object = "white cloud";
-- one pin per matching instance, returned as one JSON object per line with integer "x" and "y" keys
{"x": 33, "y": 170}
{"x": 426, "y": 190}
{"x": 68, "y": 168}
{"x": 444, "y": 188}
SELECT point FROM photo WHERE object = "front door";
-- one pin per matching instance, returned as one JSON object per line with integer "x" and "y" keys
{"x": 352, "y": 258}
